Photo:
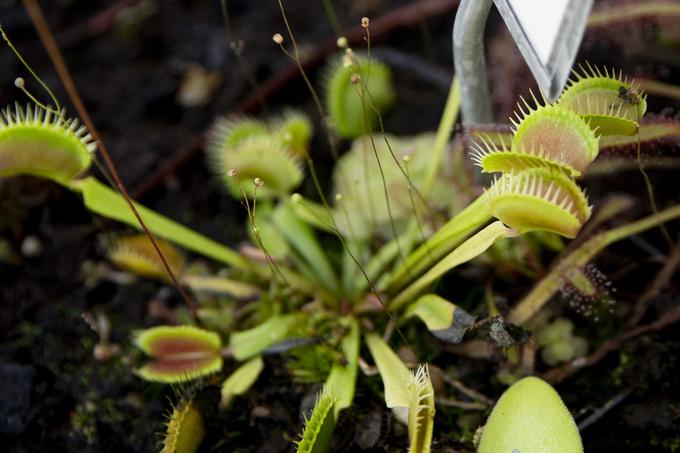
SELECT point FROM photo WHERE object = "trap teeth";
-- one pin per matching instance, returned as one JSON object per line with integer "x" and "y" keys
{"x": 607, "y": 101}
{"x": 539, "y": 199}
{"x": 553, "y": 135}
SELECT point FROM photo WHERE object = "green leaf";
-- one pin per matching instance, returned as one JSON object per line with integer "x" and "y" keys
{"x": 341, "y": 381}
{"x": 468, "y": 250}
{"x": 108, "y": 203}
{"x": 240, "y": 381}
{"x": 318, "y": 433}
{"x": 248, "y": 343}
{"x": 395, "y": 375}
{"x": 454, "y": 232}
{"x": 304, "y": 243}
{"x": 444, "y": 319}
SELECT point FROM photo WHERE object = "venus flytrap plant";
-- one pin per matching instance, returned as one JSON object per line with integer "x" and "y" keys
{"x": 550, "y": 145}
{"x": 536, "y": 192}
{"x": 134, "y": 253}
{"x": 304, "y": 294}
{"x": 242, "y": 149}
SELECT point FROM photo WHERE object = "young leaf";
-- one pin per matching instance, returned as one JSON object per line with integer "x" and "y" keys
{"x": 445, "y": 320}
{"x": 179, "y": 353}
{"x": 395, "y": 375}
{"x": 185, "y": 430}
{"x": 341, "y": 381}
{"x": 240, "y": 381}
{"x": 318, "y": 432}
{"x": 209, "y": 284}
{"x": 248, "y": 343}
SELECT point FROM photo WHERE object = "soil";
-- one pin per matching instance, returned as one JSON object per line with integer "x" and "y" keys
{"x": 55, "y": 396}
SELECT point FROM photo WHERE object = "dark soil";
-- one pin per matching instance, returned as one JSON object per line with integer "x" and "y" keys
{"x": 54, "y": 395}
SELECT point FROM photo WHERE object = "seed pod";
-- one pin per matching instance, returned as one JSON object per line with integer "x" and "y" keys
{"x": 608, "y": 102}
{"x": 530, "y": 417}
{"x": 39, "y": 142}
{"x": 552, "y": 136}
{"x": 539, "y": 199}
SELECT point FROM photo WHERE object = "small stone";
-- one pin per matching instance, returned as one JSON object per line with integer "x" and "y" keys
{"x": 31, "y": 247}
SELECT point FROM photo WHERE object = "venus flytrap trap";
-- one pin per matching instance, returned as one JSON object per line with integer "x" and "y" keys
{"x": 530, "y": 417}
{"x": 608, "y": 102}
{"x": 185, "y": 429}
{"x": 179, "y": 353}
{"x": 405, "y": 389}
{"x": 318, "y": 432}
{"x": 53, "y": 146}
{"x": 242, "y": 149}
{"x": 348, "y": 114}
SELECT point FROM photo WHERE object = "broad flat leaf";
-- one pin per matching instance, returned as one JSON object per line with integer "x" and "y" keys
{"x": 240, "y": 381}
{"x": 445, "y": 320}
{"x": 341, "y": 381}
{"x": 248, "y": 343}
{"x": 395, "y": 375}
